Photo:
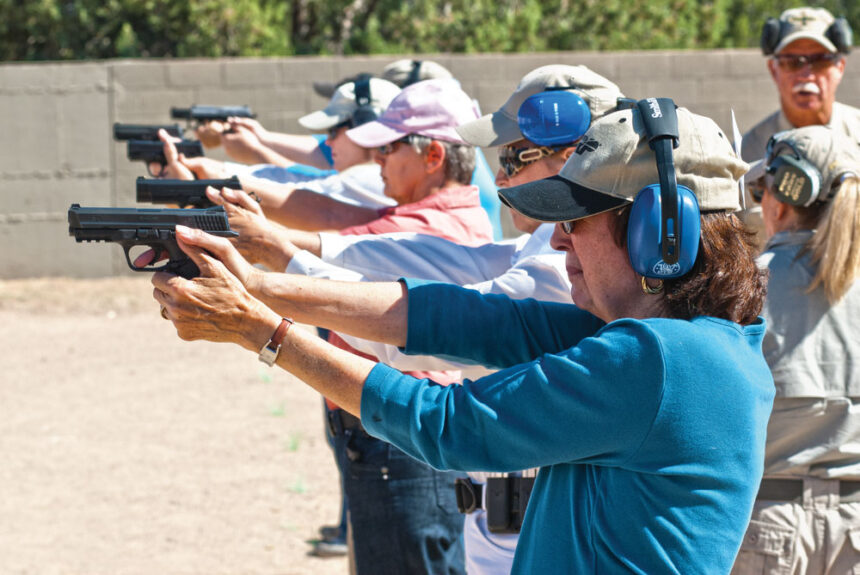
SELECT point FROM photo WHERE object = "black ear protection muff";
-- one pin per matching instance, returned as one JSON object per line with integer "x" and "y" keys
{"x": 414, "y": 74}
{"x": 364, "y": 113}
{"x": 664, "y": 225}
{"x": 795, "y": 180}
{"x": 839, "y": 33}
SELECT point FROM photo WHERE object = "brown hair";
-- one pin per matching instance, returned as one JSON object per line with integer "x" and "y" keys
{"x": 725, "y": 281}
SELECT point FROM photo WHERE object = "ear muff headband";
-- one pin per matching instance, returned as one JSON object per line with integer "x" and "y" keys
{"x": 364, "y": 112}
{"x": 553, "y": 117}
{"x": 839, "y": 33}
{"x": 414, "y": 73}
{"x": 664, "y": 226}
{"x": 795, "y": 180}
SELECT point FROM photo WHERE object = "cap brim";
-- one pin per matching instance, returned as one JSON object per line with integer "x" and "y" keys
{"x": 325, "y": 89}
{"x": 805, "y": 36}
{"x": 756, "y": 172}
{"x": 323, "y": 120}
{"x": 491, "y": 130}
{"x": 374, "y": 134}
{"x": 557, "y": 199}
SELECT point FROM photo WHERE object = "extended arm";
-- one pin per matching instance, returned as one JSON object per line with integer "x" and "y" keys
{"x": 301, "y": 209}
{"x": 441, "y": 425}
{"x": 295, "y": 148}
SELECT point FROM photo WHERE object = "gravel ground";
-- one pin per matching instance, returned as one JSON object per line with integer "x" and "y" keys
{"x": 129, "y": 451}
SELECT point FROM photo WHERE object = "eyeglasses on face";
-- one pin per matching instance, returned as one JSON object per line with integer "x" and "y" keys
{"x": 513, "y": 160}
{"x": 567, "y": 227}
{"x": 390, "y": 147}
{"x": 795, "y": 62}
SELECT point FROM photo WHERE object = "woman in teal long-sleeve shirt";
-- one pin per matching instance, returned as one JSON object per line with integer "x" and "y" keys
{"x": 645, "y": 404}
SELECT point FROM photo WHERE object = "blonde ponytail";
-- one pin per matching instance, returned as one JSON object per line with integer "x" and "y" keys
{"x": 835, "y": 246}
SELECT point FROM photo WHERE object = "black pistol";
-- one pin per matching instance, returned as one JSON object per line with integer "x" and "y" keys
{"x": 183, "y": 193}
{"x": 153, "y": 152}
{"x": 203, "y": 114}
{"x": 151, "y": 228}
{"x": 148, "y": 132}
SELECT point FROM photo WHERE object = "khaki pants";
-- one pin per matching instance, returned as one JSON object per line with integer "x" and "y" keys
{"x": 819, "y": 536}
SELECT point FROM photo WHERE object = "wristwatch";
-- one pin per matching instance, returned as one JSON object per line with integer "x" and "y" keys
{"x": 269, "y": 353}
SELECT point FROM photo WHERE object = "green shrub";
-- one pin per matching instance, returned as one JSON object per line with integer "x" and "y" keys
{"x": 82, "y": 29}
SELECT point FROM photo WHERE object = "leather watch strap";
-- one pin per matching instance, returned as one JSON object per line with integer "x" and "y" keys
{"x": 269, "y": 353}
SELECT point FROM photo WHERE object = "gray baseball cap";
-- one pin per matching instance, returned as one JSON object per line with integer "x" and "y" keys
{"x": 613, "y": 161}
{"x": 405, "y": 72}
{"x": 830, "y": 151}
{"x": 501, "y": 127}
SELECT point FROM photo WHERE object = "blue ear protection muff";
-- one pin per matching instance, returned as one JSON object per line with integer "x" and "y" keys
{"x": 554, "y": 117}
{"x": 795, "y": 181}
{"x": 364, "y": 113}
{"x": 664, "y": 225}
{"x": 839, "y": 33}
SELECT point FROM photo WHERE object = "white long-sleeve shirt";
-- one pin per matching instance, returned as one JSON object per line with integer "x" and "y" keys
{"x": 525, "y": 267}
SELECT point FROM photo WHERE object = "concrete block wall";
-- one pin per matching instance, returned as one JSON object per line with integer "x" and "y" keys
{"x": 56, "y": 144}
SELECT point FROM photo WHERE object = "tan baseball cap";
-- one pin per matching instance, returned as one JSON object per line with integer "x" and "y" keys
{"x": 342, "y": 105}
{"x": 613, "y": 161}
{"x": 406, "y": 72}
{"x": 501, "y": 127}
{"x": 806, "y": 22}
{"x": 830, "y": 151}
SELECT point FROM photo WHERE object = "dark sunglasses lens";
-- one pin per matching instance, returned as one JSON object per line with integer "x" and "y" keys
{"x": 567, "y": 227}
{"x": 816, "y": 61}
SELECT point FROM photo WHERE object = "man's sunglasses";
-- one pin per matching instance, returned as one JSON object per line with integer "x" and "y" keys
{"x": 795, "y": 62}
{"x": 513, "y": 160}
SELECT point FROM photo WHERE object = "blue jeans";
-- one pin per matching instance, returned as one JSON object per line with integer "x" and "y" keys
{"x": 403, "y": 512}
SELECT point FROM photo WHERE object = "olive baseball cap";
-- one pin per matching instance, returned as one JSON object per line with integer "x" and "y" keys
{"x": 501, "y": 127}
{"x": 613, "y": 162}
{"x": 831, "y": 152}
{"x": 806, "y": 22}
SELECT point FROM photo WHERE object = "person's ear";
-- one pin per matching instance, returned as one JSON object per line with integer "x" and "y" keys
{"x": 782, "y": 211}
{"x": 434, "y": 157}
{"x": 568, "y": 152}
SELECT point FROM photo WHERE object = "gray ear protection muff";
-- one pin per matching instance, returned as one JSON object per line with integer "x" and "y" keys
{"x": 795, "y": 180}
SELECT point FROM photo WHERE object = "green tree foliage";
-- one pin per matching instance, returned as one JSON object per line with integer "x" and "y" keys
{"x": 82, "y": 29}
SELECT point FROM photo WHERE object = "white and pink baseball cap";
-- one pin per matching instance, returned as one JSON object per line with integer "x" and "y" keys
{"x": 432, "y": 108}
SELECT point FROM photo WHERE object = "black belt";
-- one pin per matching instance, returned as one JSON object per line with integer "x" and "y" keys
{"x": 340, "y": 421}
{"x": 792, "y": 490}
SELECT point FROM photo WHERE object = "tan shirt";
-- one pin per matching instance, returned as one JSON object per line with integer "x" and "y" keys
{"x": 813, "y": 350}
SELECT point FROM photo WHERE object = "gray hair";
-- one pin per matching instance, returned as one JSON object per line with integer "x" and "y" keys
{"x": 459, "y": 158}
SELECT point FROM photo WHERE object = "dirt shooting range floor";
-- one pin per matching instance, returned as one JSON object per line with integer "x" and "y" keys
{"x": 129, "y": 451}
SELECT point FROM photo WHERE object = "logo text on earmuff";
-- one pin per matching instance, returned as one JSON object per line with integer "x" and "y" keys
{"x": 655, "y": 108}
{"x": 661, "y": 268}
